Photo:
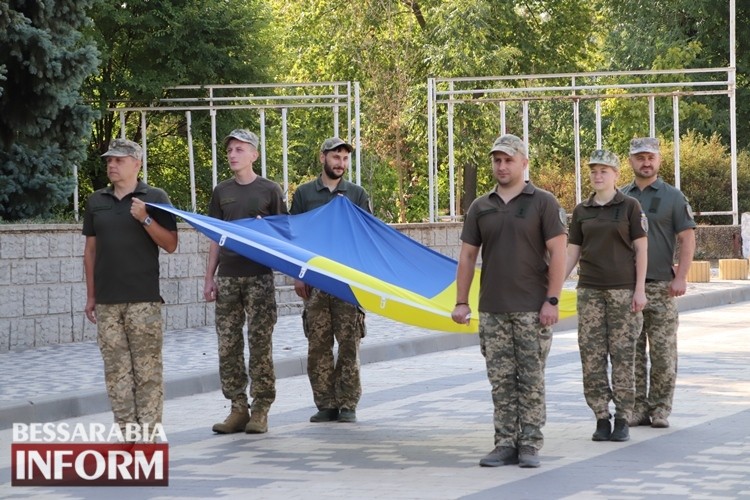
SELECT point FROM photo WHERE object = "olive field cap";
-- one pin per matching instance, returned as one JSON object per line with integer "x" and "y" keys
{"x": 509, "y": 144}
{"x": 243, "y": 135}
{"x": 334, "y": 143}
{"x": 604, "y": 157}
{"x": 644, "y": 145}
{"x": 123, "y": 147}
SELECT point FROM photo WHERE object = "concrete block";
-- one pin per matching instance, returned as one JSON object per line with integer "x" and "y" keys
{"x": 188, "y": 241}
{"x": 176, "y": 317}
{"x": 23, "y": 272}
{"x": 179, "y": 267}
{"x": 78, "y": 297}
{"x": 196, "y": 317}
{"x": 733, "y": 269}
{"x": 700, "y": 272}
{"x": 170, "y": 291}
{"x": 11, "y": 302}
{"x": 4, "y": 272}
{"x": 12, "y": 246}
{"x": 37, "y": 246}
{"x": 71, "y": 271}
{"x": 441, "y": 237}
{"x": 35, "y": 299}
{"x": 79, "y": 241}
{"x": 61, "y": 244}
{"x": 203, "y": 244}
{"x": 48, "y": 270}
{"x": 47, "y": 331}
{"x": 4, "y": 335}
{"x": 60, "y": 300}
{"x": 21, "y": 333}
{"x": 286, "y": 294}
{"x": 197, "y": 263}
{"x": 83, "y": 329}
{"x": 65, "y": 322}
{"x": 187, "y": 291}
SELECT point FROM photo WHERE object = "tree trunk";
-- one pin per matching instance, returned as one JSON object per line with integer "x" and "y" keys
{"x": 469, "y": 191}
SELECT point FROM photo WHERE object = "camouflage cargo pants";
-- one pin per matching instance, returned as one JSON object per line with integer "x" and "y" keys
{"x": 130, "y": 338}
{"x": 607, "y": 331}
{"x": 515, "y": 347}
{"x": 325, "y": 319}
{"x": 251, "y": 299}
{"x": 654, "y": 387}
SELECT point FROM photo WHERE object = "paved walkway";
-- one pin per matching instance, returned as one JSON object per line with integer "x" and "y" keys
{"x": 62, "y": 381}
{"x": 424, "y": 421}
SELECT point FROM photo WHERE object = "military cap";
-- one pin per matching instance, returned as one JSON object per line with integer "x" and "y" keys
{"x": 604, "y": 157}
{"x": 243, "y": 135}
{"x": 509, "y": 144}
{"x": 124, "y": 147}
{"x": 644, "y": 145}
{"x": 334, "y": 143}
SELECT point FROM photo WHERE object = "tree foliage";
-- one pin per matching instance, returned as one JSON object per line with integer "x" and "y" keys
{"x": 677, "y": 34}
{"x": 44, "y": 124}
{"x": 705, "y": 175}
{"x": 148, "y": 46}
{"x": 392, "y": 47}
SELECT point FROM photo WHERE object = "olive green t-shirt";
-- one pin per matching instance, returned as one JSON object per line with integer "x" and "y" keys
{"x": 669, "y": 213}
{"x": 232, "y": 201}
{"x": 126, "y": 266}
{"x": 314, "y": 194}
{"x": 513, "y": 239}
{"x": 605, "y": 234}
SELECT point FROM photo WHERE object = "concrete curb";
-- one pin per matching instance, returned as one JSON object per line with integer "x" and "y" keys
{"x": 712, "y": 298}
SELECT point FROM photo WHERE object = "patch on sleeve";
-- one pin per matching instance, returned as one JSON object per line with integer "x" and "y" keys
{"x": 563, "y": 217}
{"x": 689, "y": 211}
{"x": 644, "y": 222}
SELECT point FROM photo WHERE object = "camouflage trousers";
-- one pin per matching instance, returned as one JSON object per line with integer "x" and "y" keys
{"x": 335, "y": 384}
{"x": 251, "y": 299}
{"x": 515, "y": 348}
{"x": 654, "y": 387}
{"x": 607, "y": 331}
{"x": 130, "y": 338}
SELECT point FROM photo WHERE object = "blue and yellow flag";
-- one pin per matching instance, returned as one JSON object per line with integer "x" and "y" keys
{"x": 347, "y": 252}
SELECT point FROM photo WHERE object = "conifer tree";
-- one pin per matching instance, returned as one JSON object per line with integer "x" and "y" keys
{"x": 44, "y": 125}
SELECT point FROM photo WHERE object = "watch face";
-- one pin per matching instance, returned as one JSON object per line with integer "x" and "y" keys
{"x": 552, "y": 300}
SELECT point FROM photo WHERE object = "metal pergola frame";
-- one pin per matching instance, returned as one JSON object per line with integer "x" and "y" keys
{"x": 531, "y": 88}
{"x": 282, "y": 97}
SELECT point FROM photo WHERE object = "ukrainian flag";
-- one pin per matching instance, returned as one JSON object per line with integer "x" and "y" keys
{"x": 347, "y": 252}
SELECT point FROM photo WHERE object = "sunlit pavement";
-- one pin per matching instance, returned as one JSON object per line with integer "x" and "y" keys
{"x": 425, "y": 420}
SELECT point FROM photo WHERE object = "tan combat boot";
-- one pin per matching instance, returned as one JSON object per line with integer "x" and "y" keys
{"x": 258, "y": 423}
{"x": 235, "y": 422}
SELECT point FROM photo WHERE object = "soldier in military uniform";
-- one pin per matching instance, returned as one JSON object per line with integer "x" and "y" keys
{"x": 670, "y": 220}
{"x": 244, "y": 292}
{"x": 336, "y": 386}
{"x": 608, "y": 237}
{"x": 121, "y": 262}
{"x": 521, "y": 232}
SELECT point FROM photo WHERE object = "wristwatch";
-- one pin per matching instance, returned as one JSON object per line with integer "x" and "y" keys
{"x": 552, "y": 300}
{"x": 147, "y": 221}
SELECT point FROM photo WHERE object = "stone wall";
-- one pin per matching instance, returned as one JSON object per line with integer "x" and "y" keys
{"x": 43, "y": 292}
